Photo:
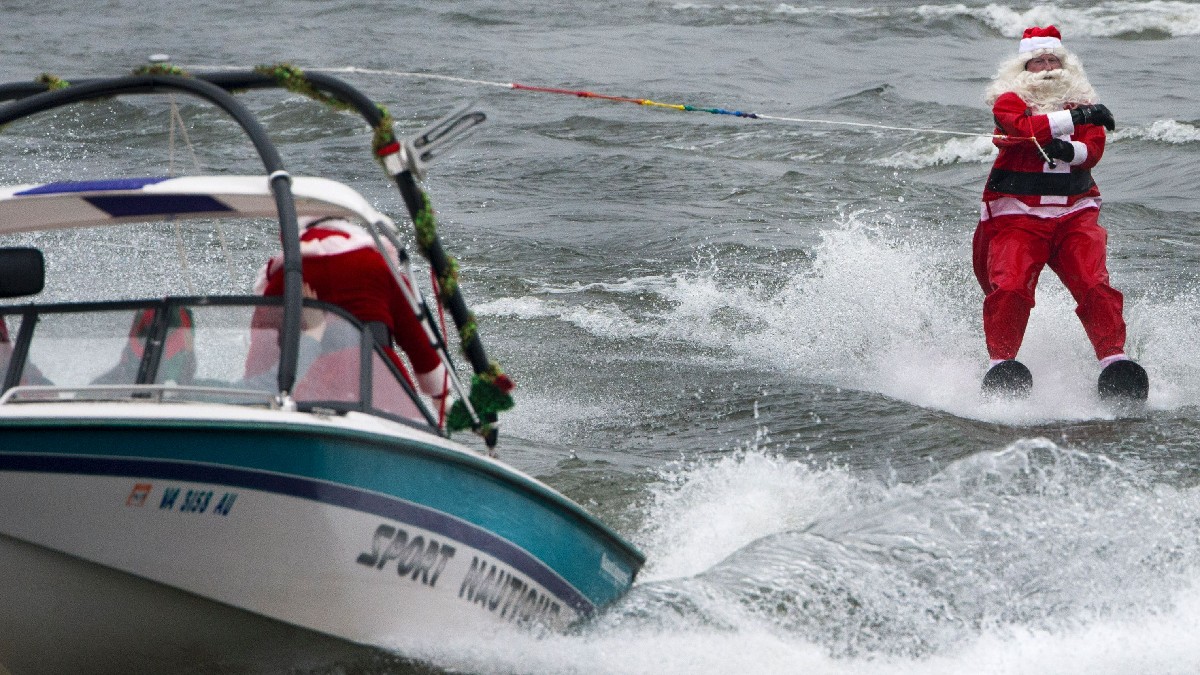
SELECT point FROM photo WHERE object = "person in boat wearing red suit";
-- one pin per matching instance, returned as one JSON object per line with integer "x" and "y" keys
{"x": 342, "y": 266}
{"x": 1041, "y": 206}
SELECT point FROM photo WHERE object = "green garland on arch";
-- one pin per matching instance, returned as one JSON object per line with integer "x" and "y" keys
{"x": 161, "y": 69}
{"x": 489, "y": 395}
{"x": 449, "y": 285}
{"x": 469, "y": 330}
{"x": 489, "y": 389}
{"x": 384, "y": 133}
{"x": 293, "y": 79}
{"x": 52, "y": 82}
{"x": 425, "y": 226}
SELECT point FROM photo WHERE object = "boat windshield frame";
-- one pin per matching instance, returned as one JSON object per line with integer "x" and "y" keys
{"x": 154, "y": 339}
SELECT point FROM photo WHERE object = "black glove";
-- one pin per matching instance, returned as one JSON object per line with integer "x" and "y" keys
{"x": 1093, "y": 114}
{"x": 1059, "y": 149}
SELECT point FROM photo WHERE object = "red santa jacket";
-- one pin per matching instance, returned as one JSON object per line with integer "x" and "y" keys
{"x": 1021, "y": 181}
{"x": 343, "y": 266}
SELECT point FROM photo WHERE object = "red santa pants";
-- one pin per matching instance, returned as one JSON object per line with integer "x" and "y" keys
{"x": 1009, "y": 253}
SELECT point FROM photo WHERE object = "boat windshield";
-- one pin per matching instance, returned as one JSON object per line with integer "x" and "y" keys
{"x": 210, "y": 349}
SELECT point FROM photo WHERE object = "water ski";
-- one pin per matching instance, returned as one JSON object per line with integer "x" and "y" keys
{"x": 1124, "y": 382}
{"x": 1008, "y": 379}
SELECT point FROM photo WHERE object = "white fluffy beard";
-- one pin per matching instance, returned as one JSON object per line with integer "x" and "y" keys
{"x": 1046, "y": 91}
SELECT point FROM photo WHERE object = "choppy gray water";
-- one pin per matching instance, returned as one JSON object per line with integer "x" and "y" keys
{"x": 753, "y": 347}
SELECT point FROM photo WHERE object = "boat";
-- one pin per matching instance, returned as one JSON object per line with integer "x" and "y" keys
{"x": 160, "y": 504}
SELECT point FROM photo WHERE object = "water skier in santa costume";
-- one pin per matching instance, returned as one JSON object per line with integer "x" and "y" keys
{"x": 1041, "y": 207}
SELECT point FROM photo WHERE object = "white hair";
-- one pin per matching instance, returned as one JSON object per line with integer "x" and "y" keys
{"x": 1044, "y": 91}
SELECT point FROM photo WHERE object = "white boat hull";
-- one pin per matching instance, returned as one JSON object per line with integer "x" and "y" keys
{"x": 66, "y": 615}
{"x": 392, "y": 540}
{"x": 328, "y": 568}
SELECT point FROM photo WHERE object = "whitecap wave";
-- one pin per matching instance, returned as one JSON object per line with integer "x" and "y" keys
{"x": 954, "y": 151}
{"x": 1104, "y": 19}
{"x": 654, "y": 283}
{"x": 1162, "y": 131}
{"x": 1167, "y": 17}
{"x": 703, "y": 513}
{"x": 604, "y": 320}
{"x": 786, "y": 8}
{"x": 695, "y": 302}
{"x": 1004, "y": 562}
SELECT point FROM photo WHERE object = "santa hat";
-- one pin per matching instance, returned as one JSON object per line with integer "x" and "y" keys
{"x": 1035, "y": 42}
{"x": 1036, "y": 38}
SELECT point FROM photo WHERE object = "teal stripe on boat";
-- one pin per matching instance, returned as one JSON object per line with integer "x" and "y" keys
{"x": 555, "y": 530}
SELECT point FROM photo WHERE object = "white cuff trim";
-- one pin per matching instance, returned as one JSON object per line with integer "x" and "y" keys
{"x": 1061, "y": 123}
{"x": 433, "y": 383}
{"x": 1080, "y": 153}
{"x": 1109, "y": 360}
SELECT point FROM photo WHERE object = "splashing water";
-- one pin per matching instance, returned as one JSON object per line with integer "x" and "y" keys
{"x": 1165, "y": 131}
{"x": 884, "y": 309}
{"x": 956, "y": 150}
{"x": 1003, "y": 561}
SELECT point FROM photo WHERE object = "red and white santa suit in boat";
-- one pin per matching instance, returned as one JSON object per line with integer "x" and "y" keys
{"x": 343, "y": 266}
{"x": 1034, "y": 214}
